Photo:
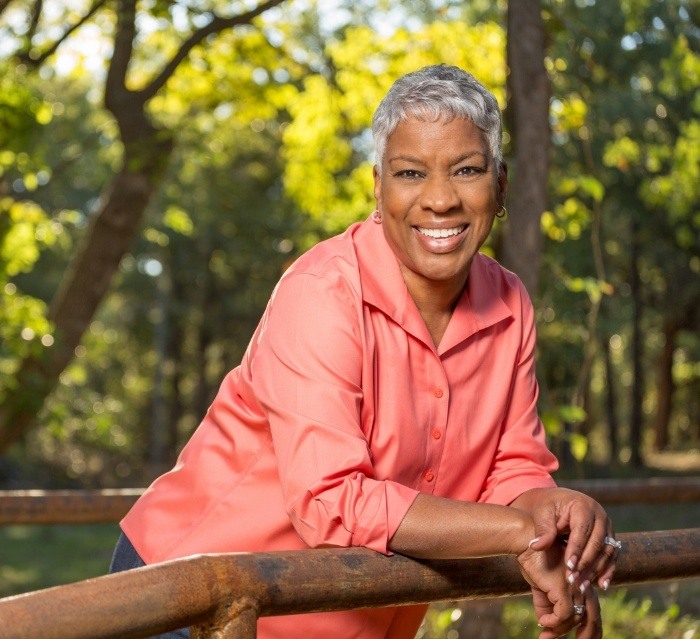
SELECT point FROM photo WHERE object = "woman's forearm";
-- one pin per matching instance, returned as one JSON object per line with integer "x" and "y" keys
{"x": 437, "y": 528}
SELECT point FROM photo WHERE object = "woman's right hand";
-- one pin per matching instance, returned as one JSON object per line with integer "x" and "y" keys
{"x": 554, "y": 598}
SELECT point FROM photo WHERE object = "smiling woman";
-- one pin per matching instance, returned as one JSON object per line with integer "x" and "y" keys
{"x": 388, "y": 396}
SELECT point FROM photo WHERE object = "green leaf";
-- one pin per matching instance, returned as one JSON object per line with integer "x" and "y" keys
{"x": 178, "y": 220}
{"x": 552, "y": 422}
{"x": 579, "y": 446}
{"x": 592, "y": 187}
{"x": 572, "y": 414}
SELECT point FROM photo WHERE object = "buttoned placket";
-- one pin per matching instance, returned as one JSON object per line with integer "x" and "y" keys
{"x": 438, "y": 398}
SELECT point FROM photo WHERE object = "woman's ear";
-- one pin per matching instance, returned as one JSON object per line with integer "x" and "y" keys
{"x": 377, "y": 185}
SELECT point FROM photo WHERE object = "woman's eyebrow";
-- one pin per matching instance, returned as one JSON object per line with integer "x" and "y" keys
{"x": 465, "y": 156}
{"x": 405, "y": 158}
{"x": 469, "y": 155}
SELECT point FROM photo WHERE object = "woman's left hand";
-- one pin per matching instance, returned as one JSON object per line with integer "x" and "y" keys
{"x": 556, "y": 512}
{"x": 555, "y": 601}
{"x": 589, "y": 625}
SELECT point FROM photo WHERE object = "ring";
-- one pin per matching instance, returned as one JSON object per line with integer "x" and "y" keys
{"x": 579, "y": 609}
{"x": 613, "y": 542}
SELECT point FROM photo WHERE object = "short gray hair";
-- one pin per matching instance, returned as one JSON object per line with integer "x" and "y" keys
{"x": 436, "y": 92}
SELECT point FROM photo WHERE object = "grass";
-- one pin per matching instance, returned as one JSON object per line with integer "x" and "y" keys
{"x": 35, "y": 557}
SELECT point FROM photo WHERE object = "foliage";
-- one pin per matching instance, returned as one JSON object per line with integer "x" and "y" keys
{"x": 25, "y": 228}
{"x": 624, "y": 122}
{"x": 623, "y": 617}
{"x": 273, "y": 153}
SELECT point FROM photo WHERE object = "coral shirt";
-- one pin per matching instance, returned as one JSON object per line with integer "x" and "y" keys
{"x": 342, "y": 411}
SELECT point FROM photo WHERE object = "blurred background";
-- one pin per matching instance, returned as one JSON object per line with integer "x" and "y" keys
{"x": 163, "y": 161}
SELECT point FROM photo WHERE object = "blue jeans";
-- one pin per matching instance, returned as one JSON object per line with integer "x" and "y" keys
{"x": 125, "y": 558}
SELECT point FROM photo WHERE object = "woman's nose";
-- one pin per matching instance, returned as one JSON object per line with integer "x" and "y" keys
{"x": 439, "y": 195}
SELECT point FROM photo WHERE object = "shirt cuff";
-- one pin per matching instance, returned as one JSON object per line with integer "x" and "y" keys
{"x": 383, "y": 516}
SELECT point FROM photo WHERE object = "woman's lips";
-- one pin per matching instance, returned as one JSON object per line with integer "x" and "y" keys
{"x": 441, "y": 240}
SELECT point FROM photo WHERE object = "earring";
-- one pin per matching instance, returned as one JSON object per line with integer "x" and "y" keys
{"x": 377, "y": 216}
{"x": 502, "y": 212}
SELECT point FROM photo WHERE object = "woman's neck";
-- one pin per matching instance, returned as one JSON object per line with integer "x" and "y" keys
{"x": 435, "y": 301}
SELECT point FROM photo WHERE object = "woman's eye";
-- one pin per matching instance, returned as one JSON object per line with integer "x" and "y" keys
{"x": 469, "y": 170}
{"x": 408, "y": 173}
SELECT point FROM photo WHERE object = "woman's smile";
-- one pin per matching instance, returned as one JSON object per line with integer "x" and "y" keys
{"x": 442, "y": 240}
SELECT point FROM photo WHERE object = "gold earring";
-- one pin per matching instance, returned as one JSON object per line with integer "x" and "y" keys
{"x": 502, "y": 212}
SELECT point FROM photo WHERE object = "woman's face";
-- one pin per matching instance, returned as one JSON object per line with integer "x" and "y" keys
{"x": 437, "y": 191}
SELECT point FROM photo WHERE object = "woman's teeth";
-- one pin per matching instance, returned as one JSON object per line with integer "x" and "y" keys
{"x": 440, "y": 233}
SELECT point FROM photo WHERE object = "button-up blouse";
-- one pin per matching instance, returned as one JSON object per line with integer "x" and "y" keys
{"x": 343, "y": 411}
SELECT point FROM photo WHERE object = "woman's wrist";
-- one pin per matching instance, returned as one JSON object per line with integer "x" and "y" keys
{"x": 524, "y": 532}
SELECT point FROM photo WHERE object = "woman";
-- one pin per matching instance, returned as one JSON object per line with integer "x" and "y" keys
{"x": 387, "y": 398}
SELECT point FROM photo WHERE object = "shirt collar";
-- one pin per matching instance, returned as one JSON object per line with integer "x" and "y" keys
{"x": 479, "y": 307}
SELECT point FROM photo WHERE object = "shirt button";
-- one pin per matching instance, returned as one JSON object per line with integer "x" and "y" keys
{"x": 429, "y": 476}
{"x": 438, "y": 392}
{"x": 436, "y": 433}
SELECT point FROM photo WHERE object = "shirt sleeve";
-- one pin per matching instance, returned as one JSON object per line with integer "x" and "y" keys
{"x": 307, "y": 375}
{"x": 522, "y": 459}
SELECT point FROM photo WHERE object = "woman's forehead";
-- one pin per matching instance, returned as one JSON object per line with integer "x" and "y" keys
{"x": 455, "y": 135}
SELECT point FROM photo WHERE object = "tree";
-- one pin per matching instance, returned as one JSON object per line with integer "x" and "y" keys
{"x": 147, "y": 147}
{"x": 528, "y": 117}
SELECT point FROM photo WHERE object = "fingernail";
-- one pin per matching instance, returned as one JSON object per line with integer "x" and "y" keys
{"x": 539, "y": 625}
{"x": 606, "y": 584}
{"x": 571, "y": 563}
{"x": 571, "y": 578}
{"x": 533, "y": 541}
{"x": 584, "y": 585}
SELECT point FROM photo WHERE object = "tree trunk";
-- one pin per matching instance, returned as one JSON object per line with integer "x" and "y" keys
{"x": 611, "y": 404}
{"x": 176, "y": 356}
{"x": 528, "y": 118}
{"x": 636, "y": 414}
{"x": 665, "y": 387}
{"x": 159, "y": 445}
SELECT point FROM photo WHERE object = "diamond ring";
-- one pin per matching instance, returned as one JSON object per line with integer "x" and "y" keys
{"x": 613, "y": 542}
{"x": 579, "y": 609}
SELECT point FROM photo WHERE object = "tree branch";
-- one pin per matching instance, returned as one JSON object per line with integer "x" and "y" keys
{"x": 115, "y": 85}
{"x": 217, "y": 25}
{"x": 34, "y": 23}
{"x": 26, "y": 57}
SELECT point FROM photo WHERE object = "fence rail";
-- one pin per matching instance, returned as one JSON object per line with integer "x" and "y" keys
{"x": 107, "y": 506}
{"x": 66, "y": 506}
{"x": 223, "y": 595}
{"x": 654, "y": 490}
